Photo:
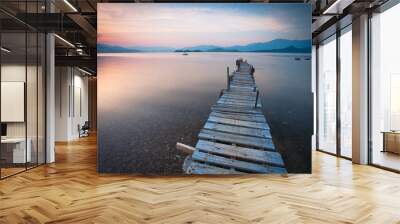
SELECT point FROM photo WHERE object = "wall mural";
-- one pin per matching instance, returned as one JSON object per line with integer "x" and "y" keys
{"x": 196, "y": 88}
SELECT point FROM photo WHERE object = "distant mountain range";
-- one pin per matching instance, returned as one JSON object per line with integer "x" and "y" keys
{"x": 105, "y": 48}
{"x": 277, "y": 45}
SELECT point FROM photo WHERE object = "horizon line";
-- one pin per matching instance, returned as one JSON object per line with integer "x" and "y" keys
{"x": 171, "y": 47}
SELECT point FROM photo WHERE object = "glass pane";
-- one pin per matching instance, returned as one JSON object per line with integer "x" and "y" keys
{"x": 385, "y": 114}
{"x": 41, "y": 98}
{"x": 31, "y": 98}
{"x": 346, "y": 94}
{"x": 13, "y": 86}
{"x": 327, "y": 96}
{"x": 314, "y": 84}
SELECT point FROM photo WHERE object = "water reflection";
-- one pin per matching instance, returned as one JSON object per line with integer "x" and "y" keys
{"x": 149, "y": 101}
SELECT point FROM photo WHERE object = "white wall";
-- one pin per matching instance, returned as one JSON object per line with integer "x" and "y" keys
{"x": 71, "y": 87}
{"x": 16, "y": 72}
{"x": 33, "y": 127}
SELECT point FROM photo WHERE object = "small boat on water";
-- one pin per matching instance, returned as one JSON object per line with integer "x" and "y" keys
{"x": 297, "y": 59}
{"x": 185, "y": 54}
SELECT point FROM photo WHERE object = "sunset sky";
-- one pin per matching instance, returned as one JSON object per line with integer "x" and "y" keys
{"x": 183, "y": 25}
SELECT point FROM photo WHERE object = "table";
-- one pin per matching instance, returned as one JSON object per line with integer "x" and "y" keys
{"x": 19, "y": 155}
{"x": 391, "y": 141}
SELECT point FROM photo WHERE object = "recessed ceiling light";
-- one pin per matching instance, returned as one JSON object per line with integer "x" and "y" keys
{"x": 64, "y": 40}
{"x": 5, "y": 50}
{"x": 84, "y": 71}
{"x": 331, "y": 7}
{"x": 70, "y": 5}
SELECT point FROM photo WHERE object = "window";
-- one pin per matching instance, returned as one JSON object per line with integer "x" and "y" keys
{"x": 385, "y": 89}
{"x": 327, "y": 95}
{"x": 346, "y": 93}
{"x": 22, "y": 78}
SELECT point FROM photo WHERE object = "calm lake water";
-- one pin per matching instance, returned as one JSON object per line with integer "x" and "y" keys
{"x": 149, "y": 101}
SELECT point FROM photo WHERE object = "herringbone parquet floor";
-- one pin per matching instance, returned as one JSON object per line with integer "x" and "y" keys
{"x": 71, "y": 191}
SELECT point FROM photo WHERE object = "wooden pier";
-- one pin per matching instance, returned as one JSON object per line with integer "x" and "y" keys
{"x": 236, "y": 138}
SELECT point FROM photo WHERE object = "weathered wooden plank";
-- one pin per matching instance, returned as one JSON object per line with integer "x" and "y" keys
{"x": 201, "y": 168}
{"x": 242, "y": 108}
{"x": 241, "y": 89}
{"x": 239, "y": 165}
{"x": 244, "y": 103}
{"x": 243, "y": 81}
{"x": 239, "y": 83}
{"x": 238, "y": 99}
{"x": 239, "y": 108}
{"x": 241, "y": 117}
{"x": 242, "y": 78}
{"x": 238, "y": 91}
{"x": 248, "y": 131}
{"x": 242, "y": 93}
{"x": 237, "y": 104}
{"x": 240, "y": 123}
{"x": 239, "y": 96}
{"x": 244, "y": 99}
{"x": 235, "y": 109}
{"x": 241, "y": 73}
{"x": 248, "y": 154}
{"x": 262, "y": 143}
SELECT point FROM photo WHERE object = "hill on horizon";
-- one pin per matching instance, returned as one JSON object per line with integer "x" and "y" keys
{"x": 276, "y": 45}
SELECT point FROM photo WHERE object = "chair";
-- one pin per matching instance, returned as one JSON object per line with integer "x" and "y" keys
{"x": 84, "y": 130}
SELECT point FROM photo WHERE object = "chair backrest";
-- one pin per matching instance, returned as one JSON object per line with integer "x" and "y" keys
{"x": 86, "y": 124}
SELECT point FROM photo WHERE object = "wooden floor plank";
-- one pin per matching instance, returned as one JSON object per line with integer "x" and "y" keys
{"x": 201, "y": 168}
{"x": 235, "y": 109}
{"x": 243, "y": 81}
{"x": 238, "y": 97}
{"x": 72, "y": 191}
{"x": 262, "y": 143}
{"x": 229, "y": 128}
{"x": 238, "y": 165}
{"x": 247, "y": 102}
{"x": 240, "y": 89}
{"x": 239, "y": 93}
{"x": 238, "y": 104}
{"x": 240, "y": 119}
{"x": 249, "y": 154}
{"x": 243, "y": 85}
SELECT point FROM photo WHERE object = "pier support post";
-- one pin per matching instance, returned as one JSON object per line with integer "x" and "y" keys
{"x": 257, "y": 94}
{"x": 228, "y": 78}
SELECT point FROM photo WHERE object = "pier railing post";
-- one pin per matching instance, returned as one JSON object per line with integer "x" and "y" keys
{"x": 257, "y": 94}
{"x": 228, "y": 78}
